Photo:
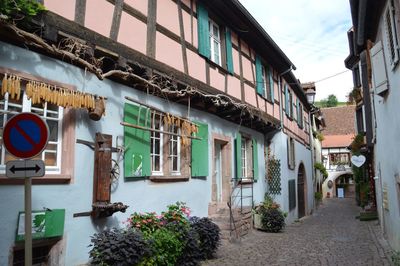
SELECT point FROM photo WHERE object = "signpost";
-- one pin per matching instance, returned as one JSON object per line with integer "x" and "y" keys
{"x": 26, "y": 135}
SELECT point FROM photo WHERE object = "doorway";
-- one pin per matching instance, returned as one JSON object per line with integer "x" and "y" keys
{"x": 301, "y": 191}
{"x": 221, "y": 169}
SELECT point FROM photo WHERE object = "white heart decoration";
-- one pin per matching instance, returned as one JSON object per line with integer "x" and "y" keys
{"x": 358, "y": 160}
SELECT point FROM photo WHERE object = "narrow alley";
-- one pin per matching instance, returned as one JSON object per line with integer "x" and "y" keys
{"x": 332, "y": 236}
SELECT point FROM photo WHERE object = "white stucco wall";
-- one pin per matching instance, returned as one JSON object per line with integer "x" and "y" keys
{"x": 302, "y": 155}
{"x": 387, "y": 152}
{"x": 143, "y": 196}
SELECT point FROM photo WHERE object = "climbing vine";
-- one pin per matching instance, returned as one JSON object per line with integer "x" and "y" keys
{"x": 20, "y": 9}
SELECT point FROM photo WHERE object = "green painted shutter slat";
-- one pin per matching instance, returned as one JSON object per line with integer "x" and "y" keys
{"x": 229, "y": 59}
{"x": 200, "y": 152}
{"x": 255, "y": 160}
{"x": 271, "y": 84}
{"x": 137, "y": 142}
{"x": 238, "y": 156}
{"x": 287, "y": 108}
{"x": 259, "y": 79}
{"x": 203, "y": 30}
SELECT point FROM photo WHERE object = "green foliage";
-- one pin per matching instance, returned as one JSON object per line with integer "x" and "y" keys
{"x": 209, "y": 236}
{"x": 356, "y": 144}
{"x": 118, "y": 247}
{"x": 330, "y": 101}
{"x": 174, "y": 239}
{"x": 318, "y": 196}
{"x": 272, "y": 217}
{"x": 20, "y": 9}
{"x": 321, "y": 168}
{"x": 167, "y": 248}
{"x": 396, "y": 258}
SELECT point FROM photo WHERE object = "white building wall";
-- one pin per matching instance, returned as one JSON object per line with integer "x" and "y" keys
{"x": 302, "y": 155}
{"x": 141, "y": 196}
{"x": 387, "y": 146}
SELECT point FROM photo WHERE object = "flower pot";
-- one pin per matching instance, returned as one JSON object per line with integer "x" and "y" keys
{"x": 257, "y": 221}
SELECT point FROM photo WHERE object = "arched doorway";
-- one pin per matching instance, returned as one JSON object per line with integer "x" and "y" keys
{"x": 301, "y": 191}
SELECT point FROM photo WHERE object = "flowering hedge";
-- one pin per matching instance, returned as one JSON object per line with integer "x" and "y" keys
{"x": 173, "y": 238}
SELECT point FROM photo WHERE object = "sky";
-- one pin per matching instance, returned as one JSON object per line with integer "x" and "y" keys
{"x": 313, "y": 35}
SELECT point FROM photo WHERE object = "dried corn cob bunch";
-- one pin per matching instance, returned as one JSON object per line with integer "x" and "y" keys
{"x": 11, "y": 85}
{"x": 39, "y": 92}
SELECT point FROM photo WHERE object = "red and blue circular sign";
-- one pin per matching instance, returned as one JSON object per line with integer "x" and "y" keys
{"x": 25, "y": 135}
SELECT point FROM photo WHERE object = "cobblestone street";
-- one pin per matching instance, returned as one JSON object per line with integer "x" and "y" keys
{"x": 332, "y": 236}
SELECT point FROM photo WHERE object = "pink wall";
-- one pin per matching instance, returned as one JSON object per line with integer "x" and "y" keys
{"x": 169, "y": 51}
{"x": 234, "y": 87}
{"x": 234, "y": 37}
{"x": 217, "y": 80}
{"x": 245, "y": 48}
{"x": 140, "y": 5}
{"x": 196, "y": 65}
{"x": 167, "y": 15}
{"x": 98, "y": 17}
{"x": 132, "y": 33}
{"x": 247, "y": 69}
{"x": 270, "y": 108}
{"x": 65, "y": 8}
{"x": 235, "y": 59}
{"x": 261, "y": 103}
{"x": 250, "y": 95}
{"x": 276, "y": 111}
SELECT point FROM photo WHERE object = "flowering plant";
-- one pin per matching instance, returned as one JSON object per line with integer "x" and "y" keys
{"x": 145, "y": 222}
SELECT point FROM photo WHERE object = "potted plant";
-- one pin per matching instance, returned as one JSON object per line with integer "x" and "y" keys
{"x": 268, "y": 216}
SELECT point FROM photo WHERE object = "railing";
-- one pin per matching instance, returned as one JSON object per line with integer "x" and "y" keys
{"x": 236, "y": 199}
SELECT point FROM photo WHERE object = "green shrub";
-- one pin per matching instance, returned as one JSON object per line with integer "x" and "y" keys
{"x": 318, "y": 196}
{"x": 166, "y": 246}
{"x": 118, "y": 247}
{"x": 209, "y": 236}
{"x": 396, "y": 258}
{"x": 272, "y": 220}
{"x": 322, "y": 169}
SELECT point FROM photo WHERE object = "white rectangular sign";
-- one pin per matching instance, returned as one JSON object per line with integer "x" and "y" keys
{"x": 25, "y": 168}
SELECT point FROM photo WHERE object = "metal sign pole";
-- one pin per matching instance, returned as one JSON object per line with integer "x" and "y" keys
{"x": 28, "y": 221}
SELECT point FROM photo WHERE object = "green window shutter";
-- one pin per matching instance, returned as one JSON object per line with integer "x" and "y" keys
{"x": 136, "y": 142}
{"x": 200, "y": 152}
{"x": 229, "y": 59}
{"x": 255, "y": 160}
{"x": 203, "y": 30}
{"x": 271, "y": 84}
{"x": 259, "y": 79}
{"x": 238, "y": 156}
{"x": 287, "y": 106}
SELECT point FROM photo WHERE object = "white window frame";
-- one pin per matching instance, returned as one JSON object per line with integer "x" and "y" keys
{"x": 391, "y": 34}
{"x": 26, "y": 106}
{"x": 244, "y": 158}
{"x": 152, "y": 144}
{"x": 215, "y": 39}
{"x": 175, "y": 140}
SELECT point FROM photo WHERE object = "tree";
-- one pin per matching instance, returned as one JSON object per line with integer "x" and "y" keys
{"x": 332, "y": 101}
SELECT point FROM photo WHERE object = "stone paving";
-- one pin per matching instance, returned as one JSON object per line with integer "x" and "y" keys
{"x": 331, "y": 236}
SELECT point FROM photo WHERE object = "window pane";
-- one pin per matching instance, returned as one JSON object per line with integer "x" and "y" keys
{"x": 50, "y": 158}
{"x": 53, "y": 129}
{"x": 174, "y": 164}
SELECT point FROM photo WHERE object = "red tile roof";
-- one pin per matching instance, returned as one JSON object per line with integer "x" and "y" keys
{"x": 339, "y": 120}
{"x": 337, "y": 141}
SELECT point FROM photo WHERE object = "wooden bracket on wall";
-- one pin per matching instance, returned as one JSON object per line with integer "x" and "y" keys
{"x": 101, "y": 203}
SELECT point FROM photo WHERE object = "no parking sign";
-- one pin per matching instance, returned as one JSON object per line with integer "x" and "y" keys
{"x": 25, "y": 135}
